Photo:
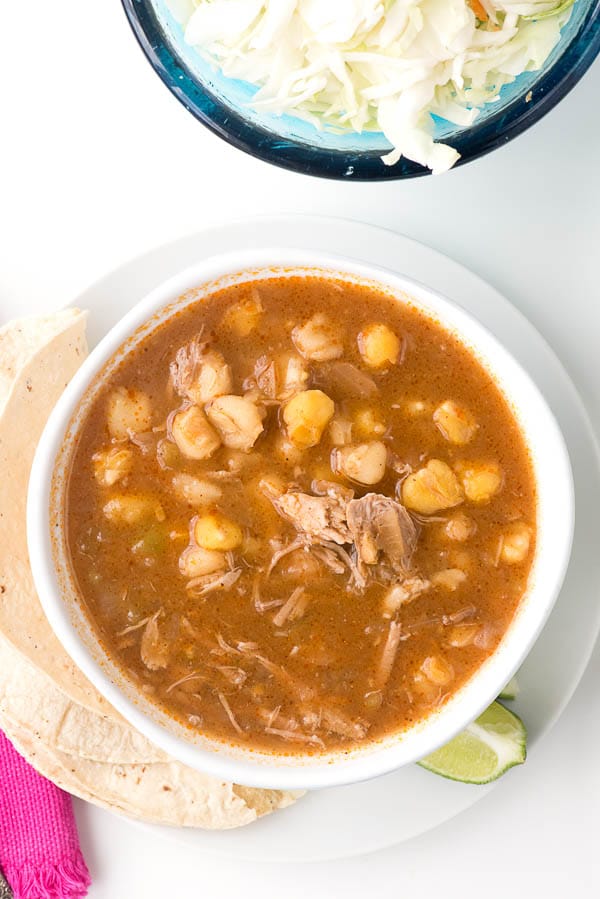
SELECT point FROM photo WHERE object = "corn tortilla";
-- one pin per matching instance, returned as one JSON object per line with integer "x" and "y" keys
{"x": 31, "y": 701}
{"x": 54, "y": 716}
{"x": 38, "y": 357}
{"x": 165, "y": 793}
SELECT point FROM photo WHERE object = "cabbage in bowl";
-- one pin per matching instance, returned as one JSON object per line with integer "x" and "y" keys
{"x": 389, "y": 66}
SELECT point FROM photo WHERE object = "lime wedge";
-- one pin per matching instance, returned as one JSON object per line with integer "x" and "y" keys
{"x": 484, "y": 750}
{"x": 511, "y": 690}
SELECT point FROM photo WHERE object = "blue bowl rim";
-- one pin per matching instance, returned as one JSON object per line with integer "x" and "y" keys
{"x": 355, "y": 165}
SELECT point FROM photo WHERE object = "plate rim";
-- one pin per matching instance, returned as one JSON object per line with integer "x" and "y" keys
{"x": 281, "y": 225}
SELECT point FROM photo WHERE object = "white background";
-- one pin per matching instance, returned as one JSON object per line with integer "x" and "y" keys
{"x": 99, "y": 163}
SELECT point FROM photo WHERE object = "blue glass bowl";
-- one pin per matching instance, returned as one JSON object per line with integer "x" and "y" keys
{"x": 224, "y": 104}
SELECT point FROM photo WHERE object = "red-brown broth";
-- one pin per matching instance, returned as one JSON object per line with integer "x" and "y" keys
{"x": 312, "y": 683}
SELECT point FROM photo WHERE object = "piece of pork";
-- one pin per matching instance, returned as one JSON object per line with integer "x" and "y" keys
{"x": 154, "y": 650}
{"x": 342, "y": 380}
{"x": 322, "y": 487}
{"x": 200, "y": 374}
{"x": 321, "y": 517}
{"x": 382, "y": 531}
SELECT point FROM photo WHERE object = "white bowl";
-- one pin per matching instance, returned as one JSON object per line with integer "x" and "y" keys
{"x": 58, "y": 594}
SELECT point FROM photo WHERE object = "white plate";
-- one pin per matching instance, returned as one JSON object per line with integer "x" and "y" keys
{"x": 353, "y": 820}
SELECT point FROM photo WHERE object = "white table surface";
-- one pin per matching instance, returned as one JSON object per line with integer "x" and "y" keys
{"x": 99, "y": 163}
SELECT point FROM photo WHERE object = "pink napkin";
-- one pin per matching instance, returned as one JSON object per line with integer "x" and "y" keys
{"x": 39, "y": 847}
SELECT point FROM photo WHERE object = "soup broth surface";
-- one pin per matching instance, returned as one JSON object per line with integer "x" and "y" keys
{"x": 300, "y": 515}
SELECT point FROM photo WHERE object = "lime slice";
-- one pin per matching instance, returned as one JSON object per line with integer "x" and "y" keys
{"x": 484, "y": 750}
{"x": 511, "y": 690}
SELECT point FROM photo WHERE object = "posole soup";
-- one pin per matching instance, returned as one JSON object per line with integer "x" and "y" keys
{"x": 300, "y": 515}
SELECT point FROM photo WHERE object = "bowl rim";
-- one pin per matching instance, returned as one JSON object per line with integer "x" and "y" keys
{"x": 262, "y": 770}
{"x": 266, "y": 145}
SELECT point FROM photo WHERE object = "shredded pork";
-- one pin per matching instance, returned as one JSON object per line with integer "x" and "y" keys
{"x": 323, "y": 517}
{"x": 293, "y": 608}
{"x": 342, "y": 379}
{"x": 404, "y": 592}
{"x": 207, "y": 583}
{"x": 229, "y": 713}
{"x": 382, "y": 530}
{"x": 154, "y": 651}
{"x": 295, "y": 736}
{"x": 187, "y": 364}
{"x": 389, "y": 653}
{"x": 380, "y": 533}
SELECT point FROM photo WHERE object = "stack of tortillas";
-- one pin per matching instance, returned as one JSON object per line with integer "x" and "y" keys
{"x": 53, "y": 715}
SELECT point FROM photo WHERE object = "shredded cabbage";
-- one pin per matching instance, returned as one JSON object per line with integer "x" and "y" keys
{"x": 383, "y": 65}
